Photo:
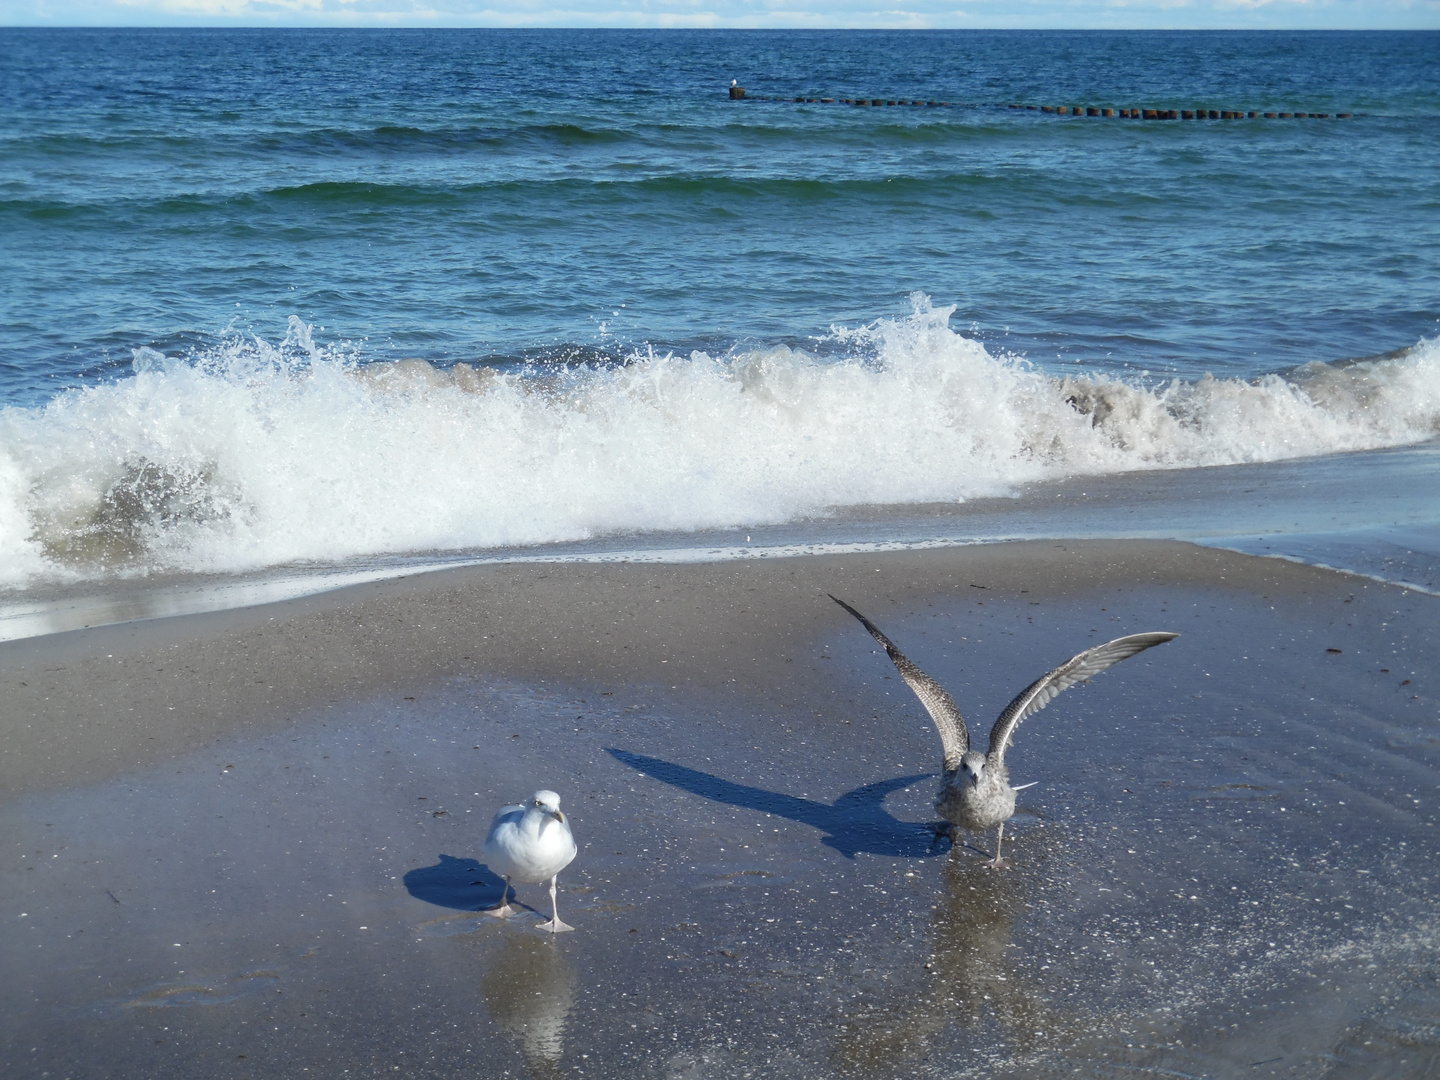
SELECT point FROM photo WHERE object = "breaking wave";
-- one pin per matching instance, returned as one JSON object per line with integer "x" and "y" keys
{"x": 259, "y": 454}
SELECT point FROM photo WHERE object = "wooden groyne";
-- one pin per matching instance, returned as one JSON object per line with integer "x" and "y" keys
{"x": 738, "y": 93}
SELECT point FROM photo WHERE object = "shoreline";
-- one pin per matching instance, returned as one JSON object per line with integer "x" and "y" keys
{"x": 1363, "y": 513}
{"x": 267, "y": 663}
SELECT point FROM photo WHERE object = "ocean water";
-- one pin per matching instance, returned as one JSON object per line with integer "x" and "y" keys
{"x": 273, "y": 301}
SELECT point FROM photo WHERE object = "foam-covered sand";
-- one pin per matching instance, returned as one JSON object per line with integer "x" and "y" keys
{"x": 249, "y": 842}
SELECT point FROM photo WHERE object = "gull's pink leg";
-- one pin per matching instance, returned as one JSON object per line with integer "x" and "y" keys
{"x": 555, "y": 926}
{"x": 997, "y": 863}
{"x": 503, "y": 910}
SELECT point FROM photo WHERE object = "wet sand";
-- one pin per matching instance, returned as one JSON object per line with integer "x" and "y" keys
{"x": 249, "y": 842}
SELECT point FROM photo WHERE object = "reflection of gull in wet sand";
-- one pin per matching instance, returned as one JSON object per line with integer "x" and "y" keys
{"x": 529, "y": 989}
{"x": 975, "y": 975}
{"x": 976, "y": 793}
{"x": 529, "y": 844}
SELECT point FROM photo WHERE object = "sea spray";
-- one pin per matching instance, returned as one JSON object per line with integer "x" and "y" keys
{"x": 253, "y": 454}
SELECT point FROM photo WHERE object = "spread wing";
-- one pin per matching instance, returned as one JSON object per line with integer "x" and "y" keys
{"x": 954, "y": 738}
{"x": 1044, "y": 690}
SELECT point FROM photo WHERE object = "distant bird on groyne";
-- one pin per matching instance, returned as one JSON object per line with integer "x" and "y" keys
{"x": 975, "y": 793}
{"x": 529, "y": 844}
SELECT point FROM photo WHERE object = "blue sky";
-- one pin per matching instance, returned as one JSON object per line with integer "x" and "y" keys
{"x": 1055, "y": 14}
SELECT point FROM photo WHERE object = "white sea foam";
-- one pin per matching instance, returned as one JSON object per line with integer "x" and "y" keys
{"x": 258, "y": 455}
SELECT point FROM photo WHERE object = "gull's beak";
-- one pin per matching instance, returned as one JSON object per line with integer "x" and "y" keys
{"x": 559, "y": 816}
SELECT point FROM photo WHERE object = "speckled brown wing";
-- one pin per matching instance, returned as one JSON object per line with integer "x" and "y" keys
{"x": 954, "y": 737}
{"x": 1045, "y": 689}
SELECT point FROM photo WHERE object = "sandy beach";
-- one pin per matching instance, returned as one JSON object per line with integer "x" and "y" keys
{"x": 397, "y": 422}
{"x": 249, "y": 842}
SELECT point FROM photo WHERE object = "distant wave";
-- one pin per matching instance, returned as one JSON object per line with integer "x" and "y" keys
{"x": 381, "y": 138}
{"x": 493, "y": 136}
{"x": 256, "y": 454}
{"x": 603, "y": 187}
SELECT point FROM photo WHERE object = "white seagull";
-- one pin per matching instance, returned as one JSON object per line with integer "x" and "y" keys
{"x": 975, "y": 793}
{"x": 529, "y": 844}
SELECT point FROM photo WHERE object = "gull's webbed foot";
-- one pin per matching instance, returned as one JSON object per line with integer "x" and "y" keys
{"x": 555, "y": 926}
{"x": 998, "y": 863}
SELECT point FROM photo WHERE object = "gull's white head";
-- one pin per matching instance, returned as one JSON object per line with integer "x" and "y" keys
{"x": 973, "y": 766}
{"x": 547, "y": 802}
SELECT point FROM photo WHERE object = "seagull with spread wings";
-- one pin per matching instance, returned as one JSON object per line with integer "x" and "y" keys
{"x": 975, "y": 793}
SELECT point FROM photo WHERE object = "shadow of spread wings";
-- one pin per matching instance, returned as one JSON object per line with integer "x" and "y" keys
{"x": 1045, "y": 689}
{"x": 954, "y": 737}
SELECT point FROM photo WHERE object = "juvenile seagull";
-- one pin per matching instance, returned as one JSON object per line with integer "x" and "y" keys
{"x": 529, "y": 844}
{"x": 975, "y": 792}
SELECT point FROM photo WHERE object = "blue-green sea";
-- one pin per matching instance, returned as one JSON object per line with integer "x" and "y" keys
{"x": 278, "y": 298}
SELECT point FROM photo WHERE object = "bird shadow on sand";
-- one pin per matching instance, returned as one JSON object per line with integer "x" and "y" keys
{"x": 463, "y": 884}
{"x": 855, "y": 822}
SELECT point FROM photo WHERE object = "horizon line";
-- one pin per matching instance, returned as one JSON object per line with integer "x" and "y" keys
{"x": 249, "y": 25}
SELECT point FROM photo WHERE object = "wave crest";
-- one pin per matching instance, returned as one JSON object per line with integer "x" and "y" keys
{"x": 258, "y": 454}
